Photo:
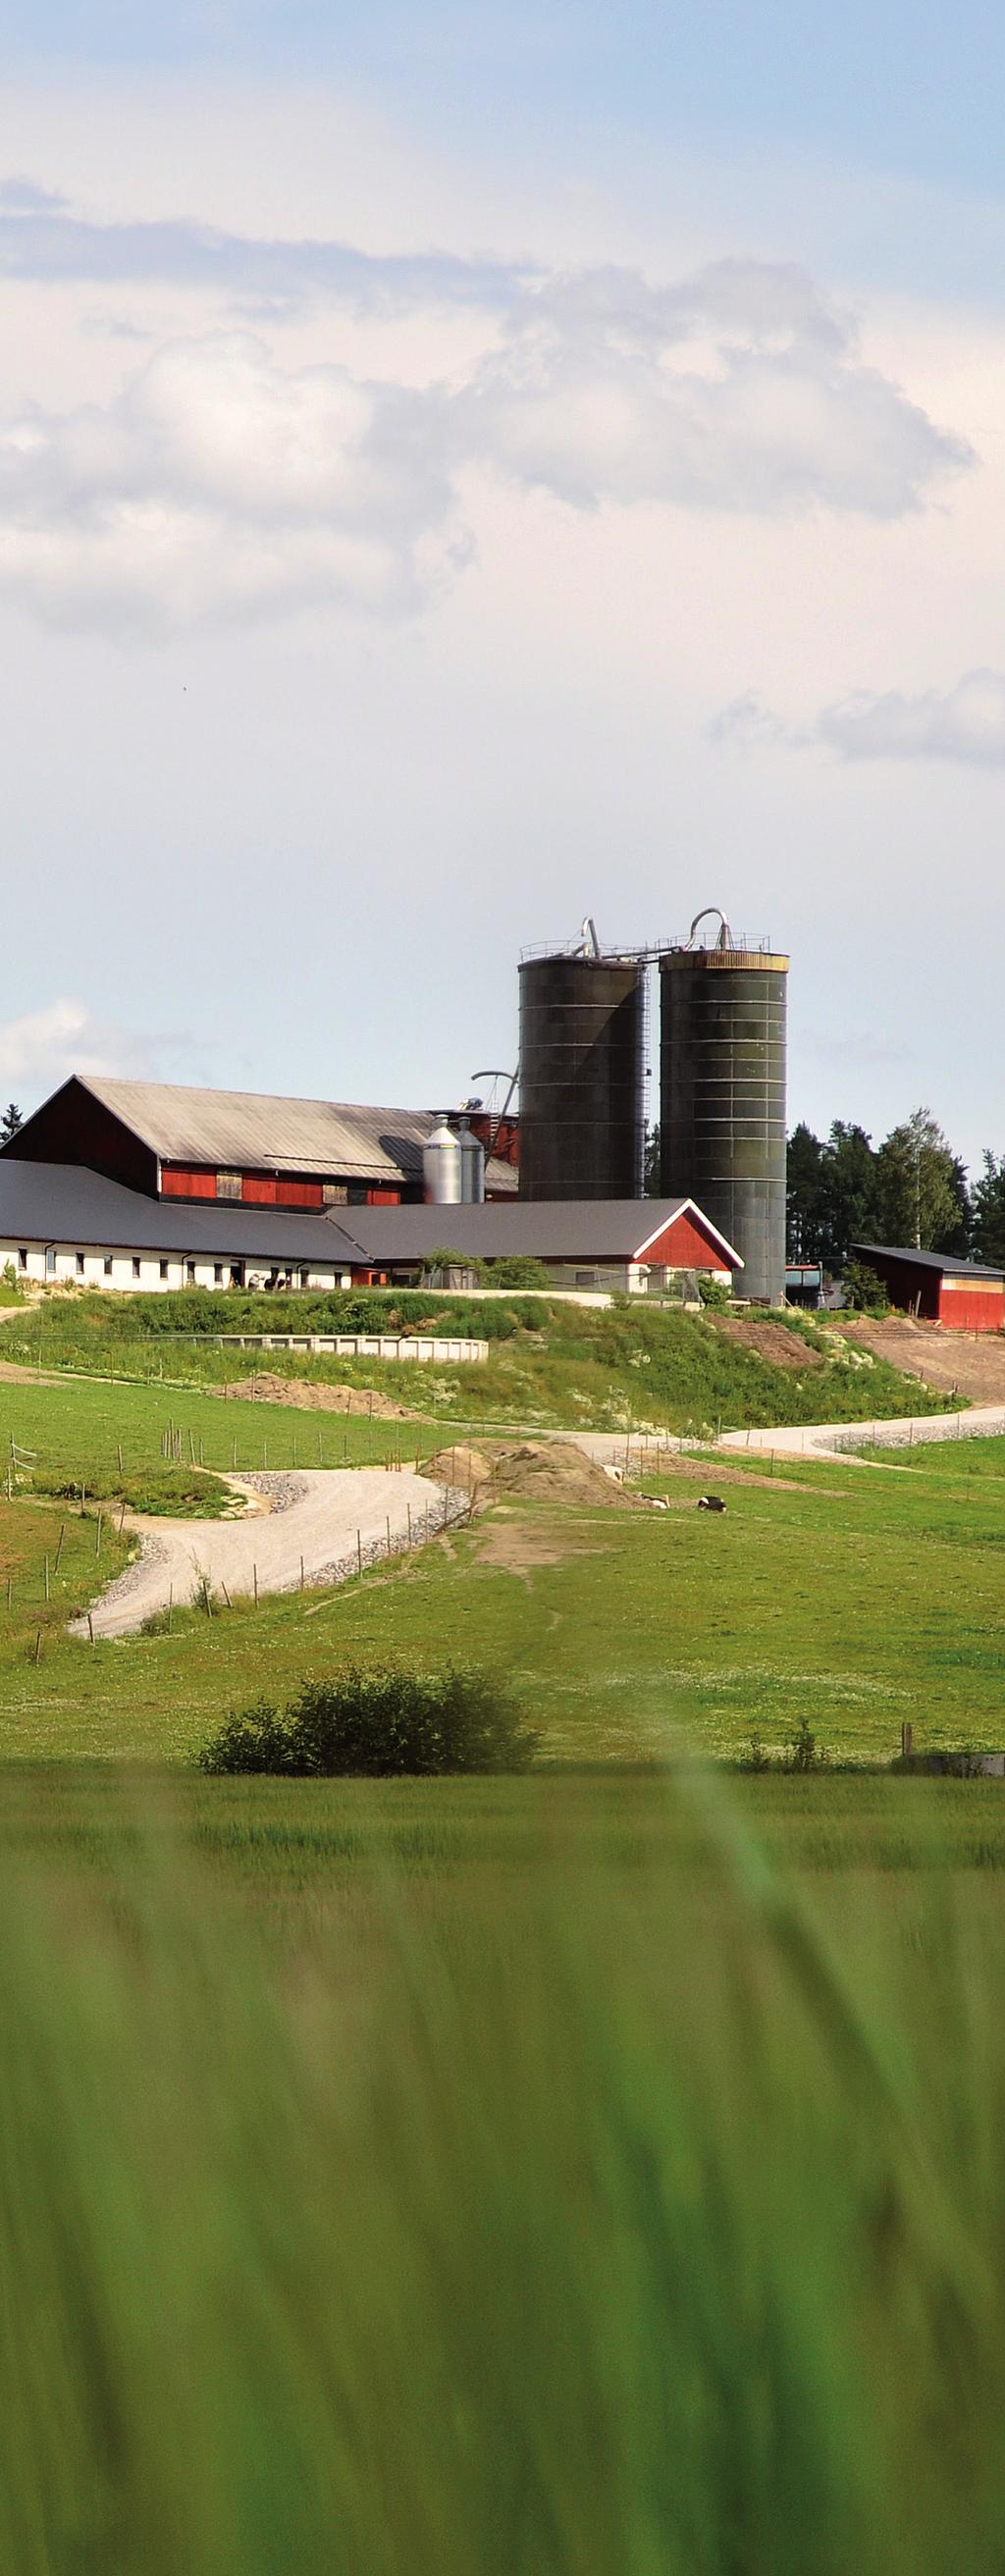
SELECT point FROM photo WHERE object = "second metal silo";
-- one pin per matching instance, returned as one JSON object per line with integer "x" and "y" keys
{"x": 722, "y": 1096}
{"x": 582, "y": 1039}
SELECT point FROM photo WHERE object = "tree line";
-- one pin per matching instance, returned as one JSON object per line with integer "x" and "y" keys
{"x": 910, "y": 1189}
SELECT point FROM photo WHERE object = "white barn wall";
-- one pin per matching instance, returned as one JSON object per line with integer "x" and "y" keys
{"x": 143, "y": 1272}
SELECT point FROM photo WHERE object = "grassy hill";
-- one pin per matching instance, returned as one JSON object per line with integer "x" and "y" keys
{"x": 550, "y": 1364}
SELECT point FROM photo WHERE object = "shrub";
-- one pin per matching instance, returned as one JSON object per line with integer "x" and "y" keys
{"x": 521, "y": 1270}
{"x": 715, "y": 1293}
{"x": 376, "y": 1724}
{"x": 804, "y": 1753}
{"x": 863, "y": 1290}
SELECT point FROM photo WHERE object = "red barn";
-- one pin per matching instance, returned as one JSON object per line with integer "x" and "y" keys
{"x": 938, "y": 1287}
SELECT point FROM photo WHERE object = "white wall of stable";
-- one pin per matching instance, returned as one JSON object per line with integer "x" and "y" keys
{"x": 92, "y": 1267}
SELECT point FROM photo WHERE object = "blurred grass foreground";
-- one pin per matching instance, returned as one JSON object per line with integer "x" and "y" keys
{"x": 622, "y": 2214}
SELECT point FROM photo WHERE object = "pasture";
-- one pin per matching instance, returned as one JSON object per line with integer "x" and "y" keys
{"x": 849, "y": 1596}
{"x": 599, "y": 2169}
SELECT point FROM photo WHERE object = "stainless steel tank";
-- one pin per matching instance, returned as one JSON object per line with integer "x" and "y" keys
{"x": 442, "y": 1168}
{"x": 472, "y": 1166}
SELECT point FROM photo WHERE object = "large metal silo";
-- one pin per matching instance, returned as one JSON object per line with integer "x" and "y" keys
{"x": 722, "y": 1099}
{"x": 582, "y": 1037}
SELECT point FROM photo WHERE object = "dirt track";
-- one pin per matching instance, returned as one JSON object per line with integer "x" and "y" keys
{"x": 314, "y": 1515}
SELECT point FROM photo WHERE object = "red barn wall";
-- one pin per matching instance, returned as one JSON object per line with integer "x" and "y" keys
{"x": 684, "y": 1246}
{"x": 972, "y": 1309}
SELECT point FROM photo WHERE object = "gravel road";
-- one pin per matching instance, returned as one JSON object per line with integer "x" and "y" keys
{"x": 315, "y": 1515}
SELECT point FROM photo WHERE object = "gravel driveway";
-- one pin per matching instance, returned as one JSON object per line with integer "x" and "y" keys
{"x": 324, "y": 1516}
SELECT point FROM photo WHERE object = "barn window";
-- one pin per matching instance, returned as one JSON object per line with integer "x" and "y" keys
{"x": 163, "y": 1269}
{"x": 334, "y": 1194}
{"x": 217, "y": 1274}
{"x": 108, "y": 1265}
{"x": 50, "y": 1260}
{"x": 228, "y": 1185}
{"x": 22, "y": 1258}
{"x": 136, "y": 1265}
{"x": 80, "y": 1265}
{"x": 190, "y": 1273}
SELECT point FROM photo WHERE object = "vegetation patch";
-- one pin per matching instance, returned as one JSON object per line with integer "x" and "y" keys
{"x": 379, "y": 1723}
{"x": 174, "y": 1493}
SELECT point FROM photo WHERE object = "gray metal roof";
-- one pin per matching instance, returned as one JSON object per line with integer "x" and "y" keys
{"x": 65, "y": 1203}
{"x": 946, "y": 1262}
{"x": 586, "y": 1230}
{"x": 242, "y": 1129}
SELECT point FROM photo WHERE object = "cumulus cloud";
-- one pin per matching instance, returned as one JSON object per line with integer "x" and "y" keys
{"x": 963, "y": 723}
{"x": 746, "y": 724}
{"x": 739, "y": 390}
{"x": 219, "y": 484}
{"x": 44, "y": 1047}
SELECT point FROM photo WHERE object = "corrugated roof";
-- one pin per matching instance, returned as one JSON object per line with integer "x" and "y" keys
{"x": 65, "y": 1203}
{"x": 586, "y": 1230}
{"x": 267, "y": 1132}
{"x": 946, "y": 1262}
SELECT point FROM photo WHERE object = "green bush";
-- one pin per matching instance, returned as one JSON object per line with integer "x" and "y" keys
{"x": 522, "y": 1271}
{"x": 378, "y": 1724}
{"x": 863, "y": 1290}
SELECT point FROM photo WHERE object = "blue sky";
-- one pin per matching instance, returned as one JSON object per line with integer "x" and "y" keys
{"x": 902, "y": 85}
{"x": 459, "y": 470}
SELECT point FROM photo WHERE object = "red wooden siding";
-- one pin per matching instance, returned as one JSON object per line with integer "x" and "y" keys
{"x": 973, "y": 1309}
{"x": 683, "y": 1245}
{"x": 177, "y": 1182}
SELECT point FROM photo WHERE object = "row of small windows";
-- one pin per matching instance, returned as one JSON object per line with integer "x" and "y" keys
{"x": 285, "y": 1279}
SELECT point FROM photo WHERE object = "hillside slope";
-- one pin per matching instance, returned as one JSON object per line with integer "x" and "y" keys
{"x": 550, "y": 1365}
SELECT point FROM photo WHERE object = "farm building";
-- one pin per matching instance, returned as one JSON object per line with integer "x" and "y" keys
{"x": 619, "y": 1244}
{"x": 246, "y": 1148}
{"x": 938, "y": 1287}
{"x": 62, "y": 1222}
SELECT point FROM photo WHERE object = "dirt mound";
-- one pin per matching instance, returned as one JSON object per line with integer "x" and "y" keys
{"x": 311, "y": 1397}
{"x": 546, "y": 1471}
{"x": 771, "y": 1341}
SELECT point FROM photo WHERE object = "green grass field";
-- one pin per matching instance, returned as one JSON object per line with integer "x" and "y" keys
{"x": 848, "y": 1595}
{"x": 601, "y": 2170}
{"x": 530, "y": 2180}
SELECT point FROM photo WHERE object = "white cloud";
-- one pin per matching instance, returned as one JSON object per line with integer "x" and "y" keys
{"x": 217, "y": 483}
{"x": 739, "y": 390}
{"x": 44, "y": 1047}
{"x": 965, "y": 723}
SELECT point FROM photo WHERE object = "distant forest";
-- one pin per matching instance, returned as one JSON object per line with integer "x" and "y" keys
{"x": 911, "y": 1189}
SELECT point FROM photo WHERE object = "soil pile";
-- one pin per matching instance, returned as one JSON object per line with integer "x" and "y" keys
{"x": 972, "y": 1364}
{"x": 312, "y": 1397}
{"x": 545, "y": 1471}
{"x": 771, "y": 1341}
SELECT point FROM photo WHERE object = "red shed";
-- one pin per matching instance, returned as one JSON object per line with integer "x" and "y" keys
{"x": 938, "y": 1287}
